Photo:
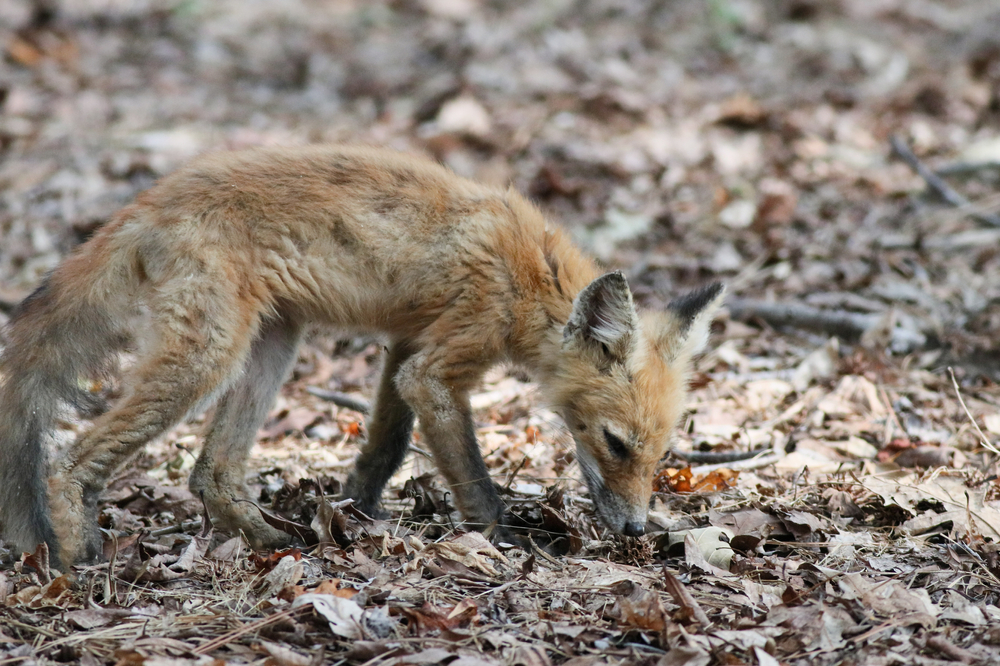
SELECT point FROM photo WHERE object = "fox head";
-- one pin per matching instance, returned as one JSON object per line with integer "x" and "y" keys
{"x": 622, "y": 386}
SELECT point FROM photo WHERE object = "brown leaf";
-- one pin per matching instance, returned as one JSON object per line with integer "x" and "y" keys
{"x": 230, "y": 550}
{"x": 279, "y": 655}
{"x": 714, "y": 481}
{"x": 295, "y": 420}
{"x": 332, "y": 586}
{"x": 290, "y": 527}
{"x": 684, "y": 599}
{"x": 288, "y": 571}
{"x": 193, "y": 553}
{"x": 330, "y": 521}
{"x": 152, "y": 570}
{"x": 427, "y": 496}
{"x": 741, "y": 111}
{"x": 267, "y": 563}
{"x": 431, "y": 618}
{"x": 642, "y": 610}
{"x": 23, "y": 52}
{"x": 673, "y": 480}
{"x": 39, "y": 561}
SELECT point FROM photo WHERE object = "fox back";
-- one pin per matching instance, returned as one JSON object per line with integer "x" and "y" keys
{"x": 227, "y": 260}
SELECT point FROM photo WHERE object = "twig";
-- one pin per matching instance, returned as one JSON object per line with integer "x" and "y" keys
{"x": 962, "y": 168}
{"x": 246, "y": 629}
{"x": 341, "y": 399}
{"x": 713, "y": 457}
{"x": 513, "y": 474}
{"x": 846, "y": 325}
{"x": 982, "y": 437}
{"x": 935, "y": 182}
{"x": 753, "y": 463}
{"x": 176, "y": 529}
{"x": 952, "y": 651}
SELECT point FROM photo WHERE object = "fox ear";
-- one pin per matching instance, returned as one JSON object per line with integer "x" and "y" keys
{"x": 603, "y": 314}
{"x": 693, "y": 314}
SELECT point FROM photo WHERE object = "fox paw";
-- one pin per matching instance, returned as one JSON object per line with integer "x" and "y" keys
{"x": 233, "y": 513}
{"x": 74, "y": 521}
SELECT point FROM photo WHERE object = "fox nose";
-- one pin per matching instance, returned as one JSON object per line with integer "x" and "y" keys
{"x": 634, "y": 529}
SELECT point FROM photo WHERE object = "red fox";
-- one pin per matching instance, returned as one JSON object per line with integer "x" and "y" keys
{"x": 211, "y": 276}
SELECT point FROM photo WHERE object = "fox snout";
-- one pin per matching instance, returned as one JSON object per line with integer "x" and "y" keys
{"x": 619, "y": 514}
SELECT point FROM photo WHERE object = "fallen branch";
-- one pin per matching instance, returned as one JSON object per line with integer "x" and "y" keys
{"x": 717, "y": 457}
{"x": 341, "y": 399}
{"x": 936, "y": 183}
{"x": 963, "y": 168}
{"x": 982, "y": 436}
{"x": 846, "y": 325}
{"x": 877, "y": 329}
{"x": 740, "y": 465}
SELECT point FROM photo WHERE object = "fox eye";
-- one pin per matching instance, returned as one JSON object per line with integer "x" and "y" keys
{"x": 615, "y": 445}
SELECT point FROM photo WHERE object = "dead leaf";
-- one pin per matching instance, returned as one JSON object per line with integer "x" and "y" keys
{"x": 706, "y": 545}
{"x": 470, "y": 549}
{"x": 430, "y": 618}
{"x": 965, "y": 507}
{"x": 270, "y": 561}
{"x": 332, "y": 587}
{"x": 283, "y": 656}
{"x": 330, "y": 521}
{"x": 295, "y": 420}
{"x": 230, "y": 550}
{"x": 343, "y": 615}
{"x": 193, "y": 553}
{"x": 39, "y": 561}
{"x": 288, "y": 571}
{"x": 683, "y": 598}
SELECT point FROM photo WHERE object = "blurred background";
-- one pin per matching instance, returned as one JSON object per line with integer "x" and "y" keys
{"x": 683, "y": 141}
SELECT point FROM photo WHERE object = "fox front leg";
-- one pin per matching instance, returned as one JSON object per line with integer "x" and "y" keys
{"x": 442, "y": 406}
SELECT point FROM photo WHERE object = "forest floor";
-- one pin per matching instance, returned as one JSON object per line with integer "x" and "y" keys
{"x": 770, "y": 145}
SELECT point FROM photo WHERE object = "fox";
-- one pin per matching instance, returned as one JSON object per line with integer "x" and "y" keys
{"x": 210, "y": 278}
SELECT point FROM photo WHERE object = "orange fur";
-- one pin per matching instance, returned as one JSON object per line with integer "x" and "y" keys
{"x": 227, "y": 259}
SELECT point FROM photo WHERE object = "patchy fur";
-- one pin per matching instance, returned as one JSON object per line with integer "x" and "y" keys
{"x": 232, "y": 255}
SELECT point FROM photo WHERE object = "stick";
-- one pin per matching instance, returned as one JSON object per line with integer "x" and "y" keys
{"x": 341, "y": 399}
{"x": 935, "y": 182}
{"x": 716, "y": 457}
{"x": 962, "y": 168}
{"x": 847, "y": 325}
{"x": 982, "y": 437}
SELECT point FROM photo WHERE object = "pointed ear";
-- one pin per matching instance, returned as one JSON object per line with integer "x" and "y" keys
{"x": 603, "y": 314}
{"x": 693, "y": 313}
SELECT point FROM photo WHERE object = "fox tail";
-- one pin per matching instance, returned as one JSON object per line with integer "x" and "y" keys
{"x": 67, "y": 330}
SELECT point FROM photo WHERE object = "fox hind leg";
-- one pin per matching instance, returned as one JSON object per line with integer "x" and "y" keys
{"x": 389, "y": 431}
{"x": 219, "y": 476}
{"x": 198, "y": 349}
